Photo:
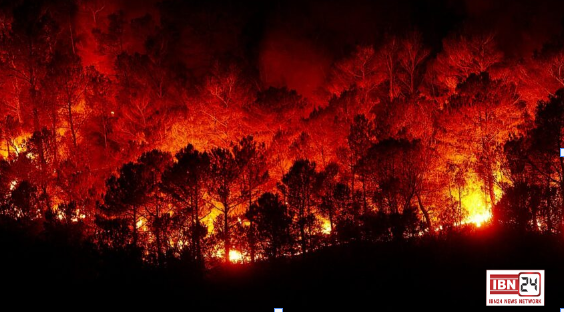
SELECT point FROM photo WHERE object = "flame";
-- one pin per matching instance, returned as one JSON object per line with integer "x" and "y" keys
{"x": 78, "y": 216}
{"x": 142, "y": 224}
{"x": 477, "y": 205}
{"x": 479, "y": 219}
{"x": 17, "y": 145}
{"x": 326, "y": 226}
{"x": 235, "y": 256}
{"x": 214, "y": 213}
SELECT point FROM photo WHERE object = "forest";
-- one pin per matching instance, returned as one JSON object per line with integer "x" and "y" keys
{"x": 216, "y": 134}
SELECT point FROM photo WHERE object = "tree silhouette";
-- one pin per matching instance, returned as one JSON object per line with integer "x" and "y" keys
{"x": 544, "y": 139}
{"x": 224, "y": 182}
{"x": 252, "y": 163}
{"x": 132, "y": 194}
{"x": 273, "y": 223}
{"x": 398, "y": 170}
{"x": 299, "y": 184}
{"x": 359, "y": 140}
{"x": 333, "y": 195}
{"x": 186, "y": 181}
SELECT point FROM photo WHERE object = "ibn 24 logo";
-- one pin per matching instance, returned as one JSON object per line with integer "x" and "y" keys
{"x": 515, "y": 288}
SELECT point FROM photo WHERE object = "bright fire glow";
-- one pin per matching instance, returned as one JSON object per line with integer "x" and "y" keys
{"x": 479, "y": 219}
{"x": 235, "y": 256}
{"x": 477, "y": 206}
{"x": 141, "y": 224}
{"x": 16, "y": 145}
{"x": 326, "y": 226}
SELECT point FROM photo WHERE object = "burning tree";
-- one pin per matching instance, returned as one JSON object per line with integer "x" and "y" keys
{"x": 479, "y": 119}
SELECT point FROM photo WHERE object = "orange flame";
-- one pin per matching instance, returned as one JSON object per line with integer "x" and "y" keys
{"x": 235, "y": 256}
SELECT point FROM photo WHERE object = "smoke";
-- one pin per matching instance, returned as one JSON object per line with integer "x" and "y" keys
{"x": 301, "y": 40}
{"x": 294, "y": 43}
{"x": 522, "y": 27}
{"x": 95, "y": 14}
{"x": 295, "y": 63}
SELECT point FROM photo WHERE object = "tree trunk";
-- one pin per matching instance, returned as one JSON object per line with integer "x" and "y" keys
{"x": 196, "y": 233}
{"x": 71, "y": 123}
{"x": 18, "y": 103}
{"x": 193, "y": 238}
{"x": 55, "y": 146}
{"x": 364, "y": 203}
{"x": 353, "y": 173}
{"x": 426, "y": 214}
{"x": 548, "y": 208}
{"x": 332, "y": 234}
{"x": 491, "y": 189}
{"x": 251, "y": 228}
{"x": 134, "y": 226}
{"x": 302, "y": 233}
{"x": 158, "y": 239}
{"x": 104, "y": 124}
{"x": 562, "y": 205}
{"x": 561, "y": 225}
{"x": 274, "y": 248}
{"x": 411, "y": 81}
{"x": 331, "y": 220}
{"x": 37, "y": 129}
{"x": 72, "y": 37}
{"x": 226, "y": 232}
{"x": 459, "y": 217}
{"x": 252, "y": 241}
{"x": 302, "y": 226}
{"x": 534, "y": 213}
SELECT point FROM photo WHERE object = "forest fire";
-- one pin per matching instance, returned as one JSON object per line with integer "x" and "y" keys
{"x": 255, "y": 166}
{"x": 197, "y": 135}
